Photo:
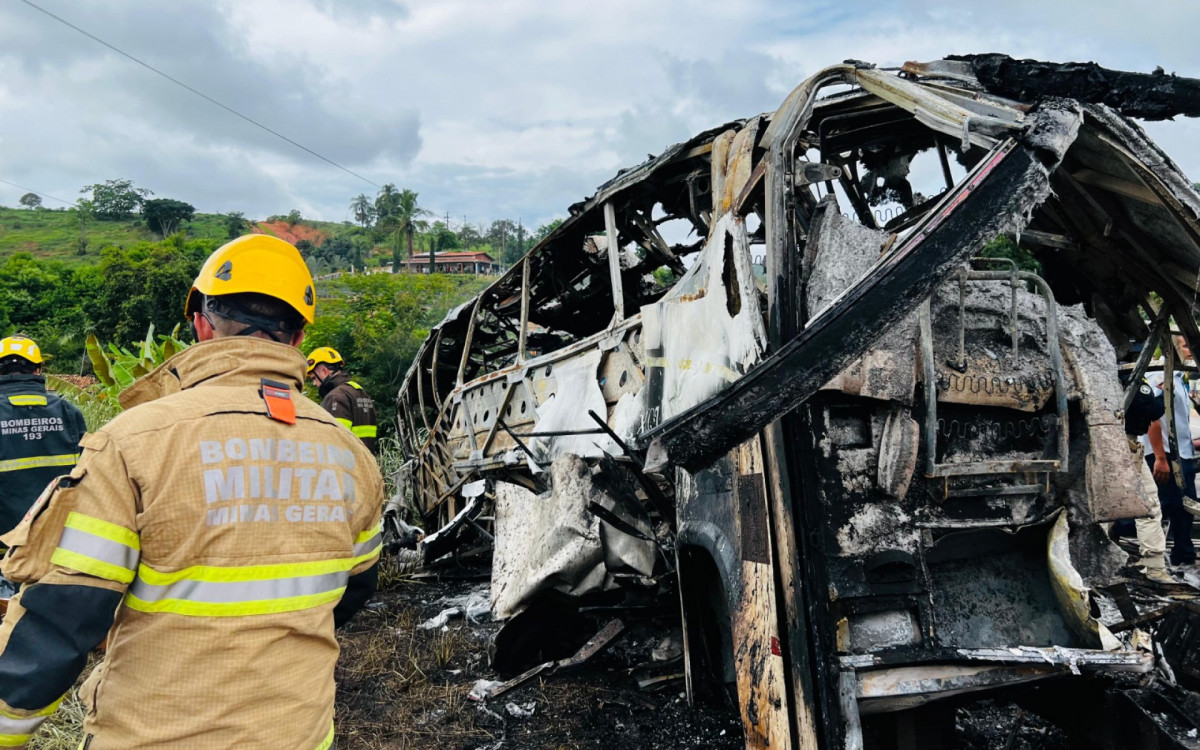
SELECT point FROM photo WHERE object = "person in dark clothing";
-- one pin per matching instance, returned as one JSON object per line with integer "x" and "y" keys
{"x": 341, "y": 396}
{"x": 39, "y": 431}
{"x": 39, "y": 435}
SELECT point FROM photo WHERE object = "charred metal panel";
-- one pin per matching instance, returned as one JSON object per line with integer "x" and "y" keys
{"x": 999, "y": 192}
{"x": 1154, "y": 96}
{"x": 752, "y": 516}
{"x": 733, "y": 490}
{"x": 991, "y": 588}
{"x": 553, "y": 542}
{"x": 924, "y": 525}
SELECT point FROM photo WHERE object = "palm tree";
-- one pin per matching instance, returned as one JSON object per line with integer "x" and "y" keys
{"x": 363, "y": 209}
{"x": 386, "y": 205}
{"x": 408, "y": 220}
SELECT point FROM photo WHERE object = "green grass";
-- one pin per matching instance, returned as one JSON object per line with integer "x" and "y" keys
{"x": 54, "y": 235}
{"x": 96, "y": 406}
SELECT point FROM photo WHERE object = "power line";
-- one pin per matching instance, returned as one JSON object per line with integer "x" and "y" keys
{"x": 36, "y": 192}
{"x": 198, "y": 93}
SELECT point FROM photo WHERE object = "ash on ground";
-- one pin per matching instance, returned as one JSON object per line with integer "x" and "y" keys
{"x": 401, "y": 685}
{"x": 988, "y": 724}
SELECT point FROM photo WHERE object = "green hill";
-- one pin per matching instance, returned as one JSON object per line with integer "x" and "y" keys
{"x": 54, "y": 234}
{"x": 49, "y": 234}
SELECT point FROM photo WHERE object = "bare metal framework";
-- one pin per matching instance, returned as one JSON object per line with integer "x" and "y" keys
{"x": 733, "y": 329}
{"x": 1060, "y": 462}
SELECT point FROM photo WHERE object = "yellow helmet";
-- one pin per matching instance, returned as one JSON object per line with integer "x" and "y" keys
{"x": 323, "y": 355}
{"x": 21, "y": 346}
{"x": 256, "y": 263}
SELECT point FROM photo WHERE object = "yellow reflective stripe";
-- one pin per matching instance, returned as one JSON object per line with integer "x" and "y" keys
{"x": 365, "y": 430}
{"x": 234, "y": 609}
{"x": 354, "y": 385}
{"x": 370, "y": 554}
{"x": 16, "y": 740}
{"x": 367, "y": 544}
{"x": 244, "y": 573}
{"x": 34, "y": 462}
{"x": 97, "y": 547}
{"x": 374, "y": 553}
{"x": 17, "y": 731}
{"x": 212, "y": 591}
{"x": 47, "y": 711}
{"x": 345, "y": 423}
{"x": 90, "y": 565}
{"x": 328, "y": 741}
{"x": 27, "y": 400}
{"x": 101, "y": 528}
{"x": 364, "y": 536}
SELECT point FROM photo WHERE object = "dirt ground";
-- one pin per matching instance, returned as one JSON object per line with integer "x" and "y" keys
{"x": 404, "y": 687}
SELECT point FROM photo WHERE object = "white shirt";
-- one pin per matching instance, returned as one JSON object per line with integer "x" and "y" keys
{"x": 1182, "y": 416}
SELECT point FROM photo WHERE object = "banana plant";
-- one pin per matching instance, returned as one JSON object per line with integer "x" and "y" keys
{"x": 116, "y": 369}
{"x": 96, "y": 404}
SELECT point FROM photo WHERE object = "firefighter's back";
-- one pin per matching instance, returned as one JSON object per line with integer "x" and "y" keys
{"x": 249, "y": 528}
{"x": 39, "y": 440}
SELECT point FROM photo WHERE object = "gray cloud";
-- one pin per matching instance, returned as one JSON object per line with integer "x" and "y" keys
{"x": 697, "y": 95}
{"x": 488, "y": 109}
{"x": 363, "y": 11}
{"x": 196, "y": 44}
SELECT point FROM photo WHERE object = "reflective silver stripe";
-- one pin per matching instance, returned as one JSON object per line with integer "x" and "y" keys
{"x": 99, "y": 548}
{"x": 19, "y": 727}
{"x": 367, "y": 546}
{"x": 234, "y": 592}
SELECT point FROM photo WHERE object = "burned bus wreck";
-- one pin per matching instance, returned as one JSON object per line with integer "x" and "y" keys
{"x": 771, "y": 375}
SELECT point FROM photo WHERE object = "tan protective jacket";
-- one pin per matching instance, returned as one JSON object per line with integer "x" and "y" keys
{"x": 232, "y": 537}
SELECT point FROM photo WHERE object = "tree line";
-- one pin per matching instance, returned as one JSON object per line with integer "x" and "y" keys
{"x": 396, "y": 219}
{"x": 386, "y": 230}
{"x": 376, "y": 321}
{"x": 117, "y": 299}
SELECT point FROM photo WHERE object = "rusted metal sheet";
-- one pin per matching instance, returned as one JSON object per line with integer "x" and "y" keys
{"x": 758, "y": 658}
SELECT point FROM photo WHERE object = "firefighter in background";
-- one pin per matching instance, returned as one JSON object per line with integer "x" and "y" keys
{"x": 221, "y": 526}
{"x": 39, "y": 434}
{"x": 341, "y": 396}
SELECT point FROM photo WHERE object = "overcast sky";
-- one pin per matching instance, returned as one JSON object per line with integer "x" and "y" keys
{"x": 487, "y": 108}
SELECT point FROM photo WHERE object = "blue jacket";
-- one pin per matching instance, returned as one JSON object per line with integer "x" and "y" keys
{"x": 39, "y": 440}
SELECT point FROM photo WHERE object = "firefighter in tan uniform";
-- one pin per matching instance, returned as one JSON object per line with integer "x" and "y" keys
{"x": 216, "y": 532}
